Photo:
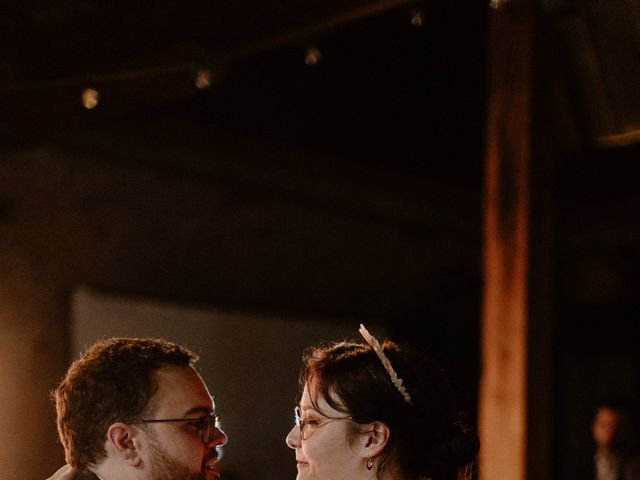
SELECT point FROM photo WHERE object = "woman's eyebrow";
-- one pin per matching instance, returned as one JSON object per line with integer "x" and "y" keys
{"x": 308, "y": 408}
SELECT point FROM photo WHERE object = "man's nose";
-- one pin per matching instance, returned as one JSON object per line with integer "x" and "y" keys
{"x": 219, "y": 439}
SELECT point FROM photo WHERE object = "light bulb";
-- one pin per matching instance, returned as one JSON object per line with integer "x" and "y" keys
{"x": 313, "y": 56}
{"x": 417, "y": 18}
{"x": 90, "y": 98}
{"x": 203, "y": 78}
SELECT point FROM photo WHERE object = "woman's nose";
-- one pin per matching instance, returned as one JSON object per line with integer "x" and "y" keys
{"x": 293, "y": 437}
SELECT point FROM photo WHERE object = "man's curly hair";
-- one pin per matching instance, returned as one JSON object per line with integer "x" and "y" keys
{"x": 111, "y": 382}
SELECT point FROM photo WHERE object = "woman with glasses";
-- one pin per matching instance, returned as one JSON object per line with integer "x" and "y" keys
{"x": 372, "y": 411}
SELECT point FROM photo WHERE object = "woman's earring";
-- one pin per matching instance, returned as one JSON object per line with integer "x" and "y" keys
{"x": 369, "y": 463}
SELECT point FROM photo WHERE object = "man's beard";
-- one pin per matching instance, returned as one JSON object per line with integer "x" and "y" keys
{"x": 165, "y": 467}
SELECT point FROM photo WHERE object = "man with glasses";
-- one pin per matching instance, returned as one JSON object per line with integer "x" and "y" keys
{"x": 136, "y": 409}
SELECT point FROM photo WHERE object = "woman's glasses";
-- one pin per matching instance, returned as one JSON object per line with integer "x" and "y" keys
{"x": 308, "y": 426}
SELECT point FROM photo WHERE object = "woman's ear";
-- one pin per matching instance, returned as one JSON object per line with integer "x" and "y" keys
{"x": 123, "y": 442}
{"x": 374, "y": 439}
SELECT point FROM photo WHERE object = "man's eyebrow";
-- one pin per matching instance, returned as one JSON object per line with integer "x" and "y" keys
{"x": 203, "y": 410}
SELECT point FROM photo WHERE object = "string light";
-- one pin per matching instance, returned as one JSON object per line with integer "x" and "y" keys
{"x": 203, "y": 78}
{"x": 498, "y": 4}
{"x": 313, "y": 56}
{"x": 90, "y": 98}
{"x": 417, "y": 18}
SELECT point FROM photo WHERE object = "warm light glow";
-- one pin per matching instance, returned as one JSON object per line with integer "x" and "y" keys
{"x": 204, "y": 78}
{"x": 620, "y": 139}
{"x": 498, "y": 4}
{"x": 313, "y": 56}
{"x": 417, "y": 18}
{"x": 90, "y": 98}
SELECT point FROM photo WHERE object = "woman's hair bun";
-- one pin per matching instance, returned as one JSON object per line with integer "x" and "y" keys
{"x": 458, "y": 447}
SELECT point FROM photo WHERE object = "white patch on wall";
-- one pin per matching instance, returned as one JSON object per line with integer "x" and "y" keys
{"x": 250, "y": 363}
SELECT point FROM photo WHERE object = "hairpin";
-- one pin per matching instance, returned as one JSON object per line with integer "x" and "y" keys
{"x": 397, "y": 381}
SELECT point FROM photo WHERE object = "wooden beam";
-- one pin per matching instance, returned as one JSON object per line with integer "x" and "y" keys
{"x": 503, "y": 385}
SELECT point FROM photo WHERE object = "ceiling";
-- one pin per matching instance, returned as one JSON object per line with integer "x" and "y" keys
{"x": 53, "y": 39}
{"x": 402, "y": 59}
{"x": 396, "y": 78}
{"x": 400, "y": 86}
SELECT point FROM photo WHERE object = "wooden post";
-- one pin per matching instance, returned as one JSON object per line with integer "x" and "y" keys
{"x": 503, "y": 385}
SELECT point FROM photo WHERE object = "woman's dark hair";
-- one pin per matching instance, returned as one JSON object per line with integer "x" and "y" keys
{"x": 427, "y": 438}
{"x": 113, "y": 381}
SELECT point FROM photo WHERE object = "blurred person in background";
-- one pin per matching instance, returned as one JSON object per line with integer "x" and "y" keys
{"x": 615, "y": 433}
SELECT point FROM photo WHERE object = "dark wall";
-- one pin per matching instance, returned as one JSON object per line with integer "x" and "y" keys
{"x": 349, "y": 191}
{"x": 230, "y": 236}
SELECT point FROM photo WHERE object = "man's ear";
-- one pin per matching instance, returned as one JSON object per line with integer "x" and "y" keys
{"x": 123, "y": 441}
{"x": 374, "y": 439}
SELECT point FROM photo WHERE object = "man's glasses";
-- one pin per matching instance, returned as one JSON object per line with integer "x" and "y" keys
{"x": 308, "y": 426}
{"x": 206, "y": 425}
